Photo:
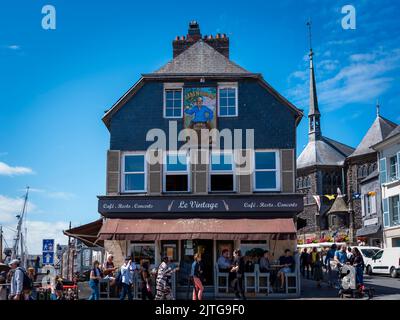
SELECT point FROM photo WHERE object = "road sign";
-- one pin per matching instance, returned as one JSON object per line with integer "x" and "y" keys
{"x": 48, "y": 258}
{"x": 48, "y": 245}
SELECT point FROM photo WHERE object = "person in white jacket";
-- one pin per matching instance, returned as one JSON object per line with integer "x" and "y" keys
{"x": 127, "y": 271}
{"x": 17, "y": 280}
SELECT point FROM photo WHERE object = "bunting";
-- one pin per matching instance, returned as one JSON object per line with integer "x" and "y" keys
{"x": 318, "y": 201}
{"x": 330, "y": 196}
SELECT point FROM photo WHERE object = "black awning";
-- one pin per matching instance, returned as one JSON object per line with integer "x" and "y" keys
{"x": 368, "y": 230}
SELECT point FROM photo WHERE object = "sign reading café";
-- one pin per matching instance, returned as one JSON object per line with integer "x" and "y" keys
{"x": 267, "y": 204}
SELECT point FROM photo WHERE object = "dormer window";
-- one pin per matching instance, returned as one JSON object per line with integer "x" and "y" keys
{"x": 228, "y": 100}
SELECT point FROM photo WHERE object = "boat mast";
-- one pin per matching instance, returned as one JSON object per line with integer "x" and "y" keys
{"x": 19, "y": 238}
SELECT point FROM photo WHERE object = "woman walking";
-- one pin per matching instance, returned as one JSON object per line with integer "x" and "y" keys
{"x": 147, "y": 292}
{"x": 197, "y": 274}
{"x": 95, "y": 277}
{"x": 358, "y": 264}
{"x": 318, "y": 274}
{"x": 163, "y": 286}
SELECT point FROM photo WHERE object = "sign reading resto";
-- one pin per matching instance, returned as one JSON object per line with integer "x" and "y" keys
{"x": 214, "y": 204}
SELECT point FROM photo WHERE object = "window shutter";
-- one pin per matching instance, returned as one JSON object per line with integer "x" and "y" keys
{"x": 373, "y": 204}
{"x": 398, "y": 165}
{"x": 386, "y": 216}
{"x": 382, "y": 170}
{"x": 287, "y": 171}
{"x": 363, "y": 206}
{"x": 113, "y": 172}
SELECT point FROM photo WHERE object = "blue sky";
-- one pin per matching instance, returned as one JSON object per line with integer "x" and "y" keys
{"x": 56, "y": 84}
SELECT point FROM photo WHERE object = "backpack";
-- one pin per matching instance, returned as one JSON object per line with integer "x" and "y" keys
{"x": 27, "y": 283}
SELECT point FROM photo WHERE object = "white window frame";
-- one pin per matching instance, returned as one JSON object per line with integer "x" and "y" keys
{"x": 277, "y": 170}
{"x": 222, "y": 172}
{"x": 123, "y": 173}
{"x": 166, "y": 172}
{"x": 172, "y": 86}
{"x": 229, "y": 85}
{"x": 396, "y": 168}
{"x": 391, "y": 211}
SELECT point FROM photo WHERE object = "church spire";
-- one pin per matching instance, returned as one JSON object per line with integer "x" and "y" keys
{"x": 378, "y": 108}
{"x": 314, "y": 115}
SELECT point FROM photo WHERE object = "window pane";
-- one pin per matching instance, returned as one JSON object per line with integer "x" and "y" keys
{"x": 231, "y": 102}
{"x": 176, "y": 163}
{"x": 223, "y": 111}
{"x": 231, "y": 92}
{"x": 221, "y": 161}
{"x": 177, "y": 94}
{"x": 222, "y": 182}
{"x": 169, "y": 112}
{"x": 231, "y": 111}
{"x": 143, "y": 252}
{"x": 134, "y": 182}
{"x": 134, "y": 163}
{"x": 177, "y": 112}
{"x": 265, "y": 160}
{"x": 223, "y": 102}
{"x": 169, "y": 103}
{"x": 265, "y": 180}
{"x": 223, "y": 93}
{"x": 178, "y": 182}
{"x": 169, "y": 94}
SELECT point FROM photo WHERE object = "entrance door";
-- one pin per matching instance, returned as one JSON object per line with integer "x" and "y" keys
{"x": 206, "y": 249}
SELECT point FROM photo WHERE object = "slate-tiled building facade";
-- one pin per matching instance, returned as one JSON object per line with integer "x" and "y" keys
{"x": 155, "y": 209}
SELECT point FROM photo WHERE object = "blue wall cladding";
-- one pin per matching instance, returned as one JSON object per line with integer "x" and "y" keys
{"x": 273, "y": 123}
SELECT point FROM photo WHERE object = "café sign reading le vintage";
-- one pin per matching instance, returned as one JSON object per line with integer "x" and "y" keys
{"x": 195, "y": 204}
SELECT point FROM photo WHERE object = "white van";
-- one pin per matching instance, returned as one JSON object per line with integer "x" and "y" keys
{"x": 385, "y": 261}
{"x": 367, "y": 253}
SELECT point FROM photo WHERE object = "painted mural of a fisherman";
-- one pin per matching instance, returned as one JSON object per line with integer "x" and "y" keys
{"x": 201, "y": 115}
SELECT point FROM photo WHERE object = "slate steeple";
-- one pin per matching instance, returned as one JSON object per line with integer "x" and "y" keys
{"x": 314, "y": 116}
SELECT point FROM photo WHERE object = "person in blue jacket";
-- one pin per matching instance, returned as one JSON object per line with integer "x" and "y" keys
{"x": 200, "y": 113}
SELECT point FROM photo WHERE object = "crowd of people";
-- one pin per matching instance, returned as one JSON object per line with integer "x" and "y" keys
{"x": 314, "y": 262}
{"x": 122, "y": 279}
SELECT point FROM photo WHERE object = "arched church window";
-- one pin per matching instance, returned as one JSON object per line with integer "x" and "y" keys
{"x": 359, "y": 172}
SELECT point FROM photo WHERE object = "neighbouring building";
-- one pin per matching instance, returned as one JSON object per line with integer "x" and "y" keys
{"x": 183, "y": 206}
{"x": 389, "y": 172}
{"x": 330, "y": 175}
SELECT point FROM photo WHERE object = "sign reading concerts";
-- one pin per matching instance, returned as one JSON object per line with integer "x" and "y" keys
{"x": 199, "y": 204}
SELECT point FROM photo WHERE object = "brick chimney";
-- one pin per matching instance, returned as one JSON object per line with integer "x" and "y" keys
{"x": 220, "y": 42}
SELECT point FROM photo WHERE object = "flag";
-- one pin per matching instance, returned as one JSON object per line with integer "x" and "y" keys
{"x": 330, "y": 196}
{"x": 318, "y": 201}
{"x": 371, "y": 193}
{"x": 356, "y": 195}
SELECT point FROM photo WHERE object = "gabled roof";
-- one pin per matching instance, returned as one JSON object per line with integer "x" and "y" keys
{"x": 323, "y": 152}
{"x": 379, "y": 130}
{"x": 200, "y": 58}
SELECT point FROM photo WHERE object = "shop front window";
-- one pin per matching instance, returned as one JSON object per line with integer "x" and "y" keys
{"x": 252, "y": 251}
{"x": 143, "y": 252}
{"x": 170, "y": 250}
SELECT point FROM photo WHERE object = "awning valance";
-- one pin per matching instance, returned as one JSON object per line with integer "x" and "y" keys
{"x": 181, "y": 229}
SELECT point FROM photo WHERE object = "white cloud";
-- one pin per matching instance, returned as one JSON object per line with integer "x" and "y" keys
{"x": 365, "y": 77}
{"x": 61, "y": 195}
{"x": 14, "y": 47}
{"x": 10, "y": 207}
{"x": 37, "y": 231}
{"x": 7, "y": 170}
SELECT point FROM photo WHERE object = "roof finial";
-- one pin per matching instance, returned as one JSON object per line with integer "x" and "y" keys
{"x": 378, "y": 107}
{"x": 309, "y": 23}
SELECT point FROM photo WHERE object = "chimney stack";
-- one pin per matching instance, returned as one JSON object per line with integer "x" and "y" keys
{"x": 220, "y": 42}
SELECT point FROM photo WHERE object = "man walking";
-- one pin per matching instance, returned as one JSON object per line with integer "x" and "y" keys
{"x": 127, "y": 278}
{"x": 238, "y": 269}
{"x": 17, "y": 280}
